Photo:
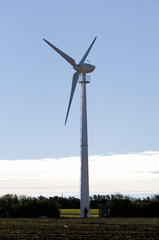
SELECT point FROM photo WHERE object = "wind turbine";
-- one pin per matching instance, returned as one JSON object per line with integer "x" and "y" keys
{"x": 81, "y": 69}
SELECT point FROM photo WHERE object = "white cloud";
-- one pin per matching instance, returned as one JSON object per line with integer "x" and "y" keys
{"x": 125, "y": 173}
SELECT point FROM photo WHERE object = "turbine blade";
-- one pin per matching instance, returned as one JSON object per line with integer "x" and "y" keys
{"x": 64, "y": 55}
{"x": 74, "y": 83}
{"x": 86, "y": 54}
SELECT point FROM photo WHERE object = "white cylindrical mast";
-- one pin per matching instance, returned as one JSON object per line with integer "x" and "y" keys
{"x": 84, "y": 204}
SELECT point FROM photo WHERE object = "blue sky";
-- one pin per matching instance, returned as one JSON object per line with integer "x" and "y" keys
{"x": 35, "y": 81}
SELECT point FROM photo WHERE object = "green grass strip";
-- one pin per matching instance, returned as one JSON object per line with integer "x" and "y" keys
{"x": 76, "y": 212}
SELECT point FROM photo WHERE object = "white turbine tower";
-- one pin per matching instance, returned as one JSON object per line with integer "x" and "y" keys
{"x": 81, "y": 68}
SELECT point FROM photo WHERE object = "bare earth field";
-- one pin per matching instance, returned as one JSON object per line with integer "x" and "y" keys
{"x": 76, "y": 228}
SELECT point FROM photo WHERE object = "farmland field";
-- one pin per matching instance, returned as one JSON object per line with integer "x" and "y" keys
{"x": 77, "y": 228}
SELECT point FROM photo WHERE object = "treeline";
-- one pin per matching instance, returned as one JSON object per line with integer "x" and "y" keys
{"x": 12, "y": 205}
{"x": 125, "y": 206}
{"x": 119, "y": 205}
{"x": 28, "y": 207}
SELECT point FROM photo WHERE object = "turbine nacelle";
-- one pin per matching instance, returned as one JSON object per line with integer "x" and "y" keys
{"x": 84, "y": 68}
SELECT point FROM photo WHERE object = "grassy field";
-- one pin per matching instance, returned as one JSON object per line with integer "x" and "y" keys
{"x": 76, "y": 212}
{"x": 77, "y": 228}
